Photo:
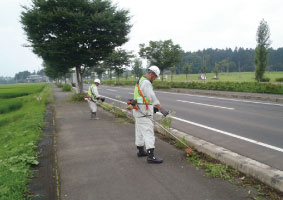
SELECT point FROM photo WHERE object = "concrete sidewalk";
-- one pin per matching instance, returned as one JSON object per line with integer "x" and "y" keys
{"x": 97, "y": 160}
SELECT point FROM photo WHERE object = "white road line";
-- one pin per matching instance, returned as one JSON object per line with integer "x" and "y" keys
{"x": 112, "y": 90}
{"x": 130, "y": 92}
{"x": 203, "y": 104}
{"x": 226, "y": 99}
{"x": 209, "y": 97}
{"x": 231, "y": 134}
{"x": 116, "y": 100}
{"x": 220, "y": 131}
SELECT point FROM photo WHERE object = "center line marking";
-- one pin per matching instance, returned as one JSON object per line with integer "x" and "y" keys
{"x": 112, "y": 90}
{"x": 203, "y": 104}
{"x": 220, "y": 131}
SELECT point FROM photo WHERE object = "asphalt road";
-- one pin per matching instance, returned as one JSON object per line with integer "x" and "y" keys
{"x": 250, "y": 128}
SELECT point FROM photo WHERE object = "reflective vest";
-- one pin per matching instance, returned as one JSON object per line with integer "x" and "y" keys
{"x": 90, "y": 91}
{"x": 137, "y": 95}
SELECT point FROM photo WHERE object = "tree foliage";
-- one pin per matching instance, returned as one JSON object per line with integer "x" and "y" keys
{"x": 75, "y": 33}
{"x": 137, "y": 68}
{"x": 261, "y": 55}
{"x": 240, "y": 60}
{"x": 187, "y": 69}
{"x": 163, "y": 54}
{"x": 118, "y": 60}
{"x": 21, "y": 76}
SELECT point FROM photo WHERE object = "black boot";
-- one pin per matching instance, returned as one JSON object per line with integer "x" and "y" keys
{"x": 141, "y": 152}
{"x": 93, "y": 115}
{"x": 151, "y": 158}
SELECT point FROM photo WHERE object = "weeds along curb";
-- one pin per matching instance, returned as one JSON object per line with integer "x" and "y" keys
{"x": 266, "y": 174}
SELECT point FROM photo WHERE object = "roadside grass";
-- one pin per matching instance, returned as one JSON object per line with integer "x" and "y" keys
{"x": 222, "y": 77}
{"x": 78, "y": 97}
{"x": 253, "y": 87}
{"x": 112, "y": 109}
{"x": 67, "y": 88}
{"x": 229, "y": 82}
{"x": 20, "y": 131}
{"x": 216, "y": 169}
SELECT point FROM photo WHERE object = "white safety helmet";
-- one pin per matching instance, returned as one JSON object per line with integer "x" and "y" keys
{"x": 97, "y": 81}
{"x": 154, "y": 69}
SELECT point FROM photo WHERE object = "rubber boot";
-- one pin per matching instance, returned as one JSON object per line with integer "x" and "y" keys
{"x": 151, "y": 158}
{"x": 93, "y": 115}
{"x": 141, "y": 152}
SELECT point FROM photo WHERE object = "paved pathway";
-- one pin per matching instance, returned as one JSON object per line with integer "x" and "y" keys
{"x": 97, "y": 160}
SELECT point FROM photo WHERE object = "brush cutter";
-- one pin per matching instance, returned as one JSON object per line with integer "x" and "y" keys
{"x": 132, "y": 104}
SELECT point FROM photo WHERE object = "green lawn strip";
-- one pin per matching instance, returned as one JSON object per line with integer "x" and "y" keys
{"x": 243, "y": 82}
{"x": 19, "y": 134}
{"x": 223, "y": 77}
{"x": 252, "y": 87}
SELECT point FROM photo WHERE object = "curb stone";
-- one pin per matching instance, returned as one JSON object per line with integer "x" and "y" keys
{"x": 266, "y": 174}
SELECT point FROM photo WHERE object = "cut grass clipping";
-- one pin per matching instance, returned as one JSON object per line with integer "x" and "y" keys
{"x": 21, "y": 122}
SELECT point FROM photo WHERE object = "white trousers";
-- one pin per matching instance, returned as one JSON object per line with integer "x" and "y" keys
{"x": 144, "y": 132}
{"x": 92, "y": 106}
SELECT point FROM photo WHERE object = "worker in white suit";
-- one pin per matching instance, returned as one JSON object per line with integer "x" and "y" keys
{"x": 92, "y": 98}
{"x": 144, "y": 129}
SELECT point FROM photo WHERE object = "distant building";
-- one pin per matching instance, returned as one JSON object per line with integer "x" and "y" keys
{"x": 36, "y": 79}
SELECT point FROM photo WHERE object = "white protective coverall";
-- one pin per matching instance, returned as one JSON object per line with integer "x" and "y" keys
{"x": 144, "y": 129}
{"x": 92, "y": 105}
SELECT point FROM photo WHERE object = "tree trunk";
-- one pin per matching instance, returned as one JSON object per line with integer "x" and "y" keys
{"x": 79, "y": 79}
{"x": 118, "y": 74}
{"x": 110, "y": 74}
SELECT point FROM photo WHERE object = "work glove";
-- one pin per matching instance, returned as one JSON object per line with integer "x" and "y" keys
{"x": 155, "y": 110}
{"x": 101, "y": 99}
{"x": 164, "y": 112}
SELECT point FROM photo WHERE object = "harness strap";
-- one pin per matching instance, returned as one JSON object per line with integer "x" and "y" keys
{"x": 139, "y": 89}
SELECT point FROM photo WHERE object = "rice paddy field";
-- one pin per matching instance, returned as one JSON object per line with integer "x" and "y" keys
{"x": 22, "y": 111}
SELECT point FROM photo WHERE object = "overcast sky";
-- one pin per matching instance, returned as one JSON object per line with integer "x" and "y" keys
{"x": 194, "y": 25}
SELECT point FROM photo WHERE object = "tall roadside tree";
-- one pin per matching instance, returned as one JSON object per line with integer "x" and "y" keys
{"x": 163, "y": 54}
{"x": 187, "y": 69}
{"x": 261, "y": 52}
{"x": 75, "y": 33}
{"x": 118, "y": 60}
{"x": 137, "y": 68}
